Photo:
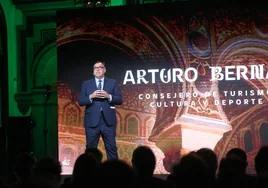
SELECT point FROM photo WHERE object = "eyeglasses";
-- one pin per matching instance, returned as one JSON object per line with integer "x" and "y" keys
{"x": 98, "y": 68}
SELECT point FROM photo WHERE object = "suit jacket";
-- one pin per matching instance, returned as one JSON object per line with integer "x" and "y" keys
{"x": 92, "y": 112}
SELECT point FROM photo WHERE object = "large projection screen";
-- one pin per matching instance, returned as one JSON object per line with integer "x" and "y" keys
{"x": 190, "y": 78}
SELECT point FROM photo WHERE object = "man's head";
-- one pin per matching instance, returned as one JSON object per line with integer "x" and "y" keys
{"x": 95, "y": 152}
{"x": 143, "y": 160}
{"x": 99, "y": 69}
{"x": 240, "y": 153}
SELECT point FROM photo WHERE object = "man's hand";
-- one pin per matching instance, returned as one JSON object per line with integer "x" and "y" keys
{"x": 104, "y": 94}
{"x": 96, "y": 94}
{"x": 99, "y": 94}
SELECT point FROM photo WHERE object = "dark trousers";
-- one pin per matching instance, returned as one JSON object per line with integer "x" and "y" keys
{"x": 108, "y": 134}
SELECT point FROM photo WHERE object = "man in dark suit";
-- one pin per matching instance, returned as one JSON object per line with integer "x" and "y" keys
{"x": 100, "y": 95}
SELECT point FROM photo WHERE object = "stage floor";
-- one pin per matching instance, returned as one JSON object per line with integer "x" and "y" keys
{"x": 66, "y": 170}
{"x": 64, "y": 176}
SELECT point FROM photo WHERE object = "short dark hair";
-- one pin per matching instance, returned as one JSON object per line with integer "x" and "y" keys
{"x": 95, "y": 152}
{"x": 239, "y": 152}
{"x": 100, "y": 62}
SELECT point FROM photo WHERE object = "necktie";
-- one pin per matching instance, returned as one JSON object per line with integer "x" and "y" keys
{"x": 99, "y": 85}
{"x": 99, "y": 88}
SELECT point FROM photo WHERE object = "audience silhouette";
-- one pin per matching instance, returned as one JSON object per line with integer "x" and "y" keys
{"x": 96, "y": 153}
{"x": 83, "y": 170}
{"x": 143, "y": 162}
{"x": 194, "y": 169}
{"x": 231, "y": 172}
{"x": 261, "y": 167}
{"x": 210, "y": 157}
{"x": 191, "y": 171}
{"x": 113, "y": 173}
{"x": 22, "y": 167}
{"x": 46, "y": 173}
